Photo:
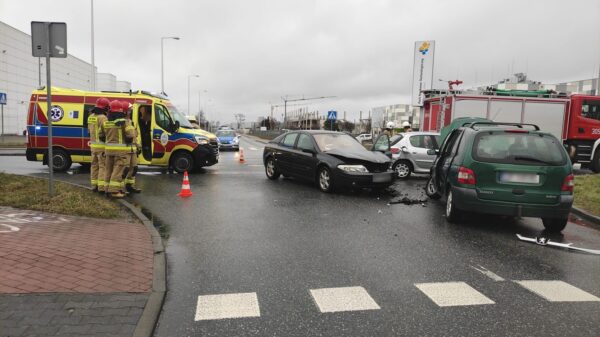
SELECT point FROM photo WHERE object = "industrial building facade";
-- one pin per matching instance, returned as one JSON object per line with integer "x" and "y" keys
{"x": 21, "y": 73}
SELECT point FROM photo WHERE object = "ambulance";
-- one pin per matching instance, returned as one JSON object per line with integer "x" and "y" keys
{"x": 167, "y": 138}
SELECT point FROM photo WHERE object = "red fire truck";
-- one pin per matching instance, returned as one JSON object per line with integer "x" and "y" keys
{"x": 575, "y": 119}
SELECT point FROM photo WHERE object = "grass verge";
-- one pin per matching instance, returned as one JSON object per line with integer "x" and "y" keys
{"x": 32, "y": 193}
{"x": 587, "y": 193}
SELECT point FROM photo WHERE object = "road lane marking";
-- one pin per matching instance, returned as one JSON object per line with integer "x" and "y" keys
{"x": 224, "y": 306}
{"x": 488, "y": 273}
{"x": 557, "y": 291}
{"x": 449, "y": 294}
{"x": 343, "y": 299}
{"x": 253, "y": 148}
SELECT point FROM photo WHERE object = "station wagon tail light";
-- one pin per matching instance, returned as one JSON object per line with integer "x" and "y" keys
{"x": 395, "y": 150}
{"x": 466, "y": 176}
{"x": 568, "y": 184}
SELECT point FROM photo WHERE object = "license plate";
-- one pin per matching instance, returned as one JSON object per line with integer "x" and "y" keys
{"x": 518, "y": 177}
{"x": 382, "y": 178}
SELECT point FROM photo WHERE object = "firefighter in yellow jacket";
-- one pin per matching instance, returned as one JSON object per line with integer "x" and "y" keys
{"x": 134, "y": 149}
{"x": 116, "y": 131}
{"x": 95, "y": 121}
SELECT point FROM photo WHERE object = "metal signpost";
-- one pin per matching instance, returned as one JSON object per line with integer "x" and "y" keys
{"x": 49, "y": 39}
{"x": 2, "y": 104}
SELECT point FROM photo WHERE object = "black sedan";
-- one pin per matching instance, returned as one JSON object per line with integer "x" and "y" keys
{"x": 331, "y": 159}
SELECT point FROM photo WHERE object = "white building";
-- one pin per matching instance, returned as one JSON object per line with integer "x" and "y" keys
{"x": 123, "y": 86}
{"x": 21, "y": 73}
{"x": 397, "y": 113}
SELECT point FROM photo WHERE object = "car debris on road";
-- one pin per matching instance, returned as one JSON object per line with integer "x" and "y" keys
{"x": 542, "y": 241}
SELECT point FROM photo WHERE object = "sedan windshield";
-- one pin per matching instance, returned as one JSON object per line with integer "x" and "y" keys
{"x": 330, "y": 141}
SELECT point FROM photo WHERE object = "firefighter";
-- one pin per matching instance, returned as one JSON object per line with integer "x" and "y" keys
{"x": 406, "y": 127}
{"x": 133, "y": 150}
{"x": 95, "y": 121}
{"x": 389, "y": 129}
{"x": 116, "y": 130}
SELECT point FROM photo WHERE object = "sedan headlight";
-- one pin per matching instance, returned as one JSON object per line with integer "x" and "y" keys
{"x": 201, "y": 140}
{"x": 236, "y": 140}
{"x": 353, "y": 168}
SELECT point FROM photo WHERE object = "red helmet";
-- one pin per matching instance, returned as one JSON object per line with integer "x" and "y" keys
{"x": 126, "y": 106}
{"x": 102, "y": 103}
{"x": 116, "y": 106}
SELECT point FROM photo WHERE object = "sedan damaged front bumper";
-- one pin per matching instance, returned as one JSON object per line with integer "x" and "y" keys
{"x": 355, "y": 179}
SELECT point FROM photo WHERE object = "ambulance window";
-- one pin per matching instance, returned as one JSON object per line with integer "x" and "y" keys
{"x": 87, "y": 110}
{"x": 591, "y": 110}
{"x": 162, "y": 117}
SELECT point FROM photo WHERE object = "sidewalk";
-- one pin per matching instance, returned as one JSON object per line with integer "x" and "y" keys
{"x": 72, "y": 276}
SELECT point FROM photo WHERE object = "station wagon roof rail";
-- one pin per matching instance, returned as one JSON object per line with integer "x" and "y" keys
{"x": 519, "y": 125}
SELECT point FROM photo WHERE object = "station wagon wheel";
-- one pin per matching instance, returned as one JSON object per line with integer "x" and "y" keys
{"x": 431, "y": 190}
{"x": 270, "y": 169}
{"x": 403, "y": 169}
{"x": 555, "y": 225}
{"x": 452, "y": 213}
{"x": 325, "y": 180}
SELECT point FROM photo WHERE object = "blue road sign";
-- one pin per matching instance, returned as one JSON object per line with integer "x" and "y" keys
{"x": 332, "y": 115}
{"x": 2, "y": 98}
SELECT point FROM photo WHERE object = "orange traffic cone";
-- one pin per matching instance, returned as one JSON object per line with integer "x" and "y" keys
{"x": 242, "y": 160}
{"x": 185, "y": 187}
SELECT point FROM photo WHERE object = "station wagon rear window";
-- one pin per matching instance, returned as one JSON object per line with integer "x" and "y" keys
{"x": 518, "y": 148}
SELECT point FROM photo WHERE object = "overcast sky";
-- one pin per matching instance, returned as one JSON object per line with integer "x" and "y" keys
{"x": 250, "y": 53}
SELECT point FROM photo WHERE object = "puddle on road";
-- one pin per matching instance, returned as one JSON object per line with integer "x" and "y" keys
{"x": 162, "y": 228}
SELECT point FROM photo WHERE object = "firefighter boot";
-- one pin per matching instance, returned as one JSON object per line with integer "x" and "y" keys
{"x": 132, "y": 189}
{"x": 117, "y": 195}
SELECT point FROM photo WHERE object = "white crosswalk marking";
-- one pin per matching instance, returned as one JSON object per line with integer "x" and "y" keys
{"x": 224, "y": 306}
{"x": 343, "y": 299}
{"x": 557, "y": 291}
{"x": 448, "y": 294}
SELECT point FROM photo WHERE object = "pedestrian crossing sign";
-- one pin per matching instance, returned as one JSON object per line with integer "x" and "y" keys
{"x": 331, "y": 115}
{"x": 2, "y": 98}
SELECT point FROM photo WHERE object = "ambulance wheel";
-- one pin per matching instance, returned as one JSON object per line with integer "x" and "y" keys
{"x": 182, "y": 161}
{"x": 61, "y": 161}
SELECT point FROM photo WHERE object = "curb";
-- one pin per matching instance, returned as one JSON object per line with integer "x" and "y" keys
{"x": 595, "y": 220}
{"x": 149, "y": 318}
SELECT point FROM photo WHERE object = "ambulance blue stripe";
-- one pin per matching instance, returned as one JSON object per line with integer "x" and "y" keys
{"x": 59, "y": 131}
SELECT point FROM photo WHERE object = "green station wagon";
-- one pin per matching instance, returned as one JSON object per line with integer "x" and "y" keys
{"x": 503, "y": 169}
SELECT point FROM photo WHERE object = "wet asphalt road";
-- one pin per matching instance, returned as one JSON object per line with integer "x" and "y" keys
{"x": 241, "y": 233}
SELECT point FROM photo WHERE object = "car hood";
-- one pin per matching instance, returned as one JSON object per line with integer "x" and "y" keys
{"x": 198, "y": 132}
{"x": 370, "y": 156}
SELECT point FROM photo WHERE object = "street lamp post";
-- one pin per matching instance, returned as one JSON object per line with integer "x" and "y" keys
{"x": 162, "y": 64}
{"x": 93, "y": 79}
{"x": 189, "y": 112}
